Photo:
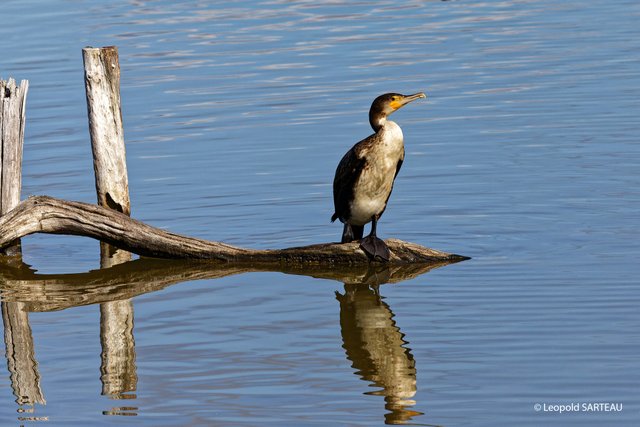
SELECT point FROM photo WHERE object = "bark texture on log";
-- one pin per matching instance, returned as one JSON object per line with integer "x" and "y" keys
{"x": 43, "y": 214}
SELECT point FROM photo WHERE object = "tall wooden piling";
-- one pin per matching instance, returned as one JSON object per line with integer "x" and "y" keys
{"x": 20, "y": 352}
{"x": 102, "y": 84}
{"x": 12, "y": 119}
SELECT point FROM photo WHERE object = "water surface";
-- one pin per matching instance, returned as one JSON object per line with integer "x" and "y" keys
{"x": 524, "y": 157}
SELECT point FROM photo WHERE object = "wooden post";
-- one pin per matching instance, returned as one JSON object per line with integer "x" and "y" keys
{"x": 102, "y": 83}
{"x": 12, "y": 118}
{"x": 20, "y": 353}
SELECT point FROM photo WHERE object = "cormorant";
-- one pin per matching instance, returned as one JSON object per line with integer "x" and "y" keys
{"x": 364, "y": 177}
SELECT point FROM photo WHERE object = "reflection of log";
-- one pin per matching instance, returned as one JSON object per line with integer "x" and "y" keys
{"x": 43, "y": 214}
{"x": 48, "y": 292}
{"x": 376, "y": 346}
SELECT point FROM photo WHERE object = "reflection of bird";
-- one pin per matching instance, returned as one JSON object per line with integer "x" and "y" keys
{"x": 364, "y": 178}
{"x": 375, "y": 345}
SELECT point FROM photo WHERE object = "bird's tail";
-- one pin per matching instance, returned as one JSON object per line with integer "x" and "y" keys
{"x": 351, "y": 233}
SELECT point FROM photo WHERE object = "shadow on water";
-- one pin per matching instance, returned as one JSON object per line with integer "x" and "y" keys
{"x": 373, "y": 343}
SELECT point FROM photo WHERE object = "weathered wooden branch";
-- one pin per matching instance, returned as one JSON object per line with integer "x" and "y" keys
{"x": 43, "y": 214}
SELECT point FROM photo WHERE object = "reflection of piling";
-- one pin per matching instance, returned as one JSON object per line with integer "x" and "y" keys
{"x": 21, "y": 361}
{"x": 118, "y": 357}
{"x": 102, "y": 83}
{"x": 118, "y": 364}
{"x": 20, "y": 353}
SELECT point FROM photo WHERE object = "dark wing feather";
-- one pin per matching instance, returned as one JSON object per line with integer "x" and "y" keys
{"x": 398, "y": 166}
{"x": 347, "y": 173}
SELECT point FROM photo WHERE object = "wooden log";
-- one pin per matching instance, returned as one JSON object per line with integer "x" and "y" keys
{"x": 102, "y": 83}
{"x": 44, "y": 214}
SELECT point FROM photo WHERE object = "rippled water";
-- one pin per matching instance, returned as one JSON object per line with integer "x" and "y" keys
{"x": 524, "y": 157}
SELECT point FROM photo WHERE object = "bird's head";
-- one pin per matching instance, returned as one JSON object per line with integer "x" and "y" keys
{"x": 386, "y": 104}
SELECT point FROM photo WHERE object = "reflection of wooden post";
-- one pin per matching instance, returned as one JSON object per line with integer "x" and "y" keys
{"x": 118, "y": 357}
{"x": 21, "y": 361}
{"x": 102, "y": 83}
{"x": 23, "y": 368}
{"x": 118, "y": 367}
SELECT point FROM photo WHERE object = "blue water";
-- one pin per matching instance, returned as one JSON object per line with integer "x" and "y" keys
{"x": 524, "y": 156}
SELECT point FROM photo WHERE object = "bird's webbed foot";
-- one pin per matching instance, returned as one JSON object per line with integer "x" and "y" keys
{"x": 375, "y": 248}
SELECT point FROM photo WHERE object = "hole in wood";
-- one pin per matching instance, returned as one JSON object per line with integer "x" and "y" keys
{"x": 113, "y": 204}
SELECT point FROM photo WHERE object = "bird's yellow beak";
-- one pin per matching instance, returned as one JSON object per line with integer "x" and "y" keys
{"x": 407, "y": 99}
{"x": 401, "y": 102}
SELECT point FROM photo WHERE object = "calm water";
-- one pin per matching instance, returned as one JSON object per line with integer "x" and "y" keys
{"x": 525, "y": 157}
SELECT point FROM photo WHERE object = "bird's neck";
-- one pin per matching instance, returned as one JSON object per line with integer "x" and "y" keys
{"x": 391, "y": 135}
{"x": 377, "y": 120}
